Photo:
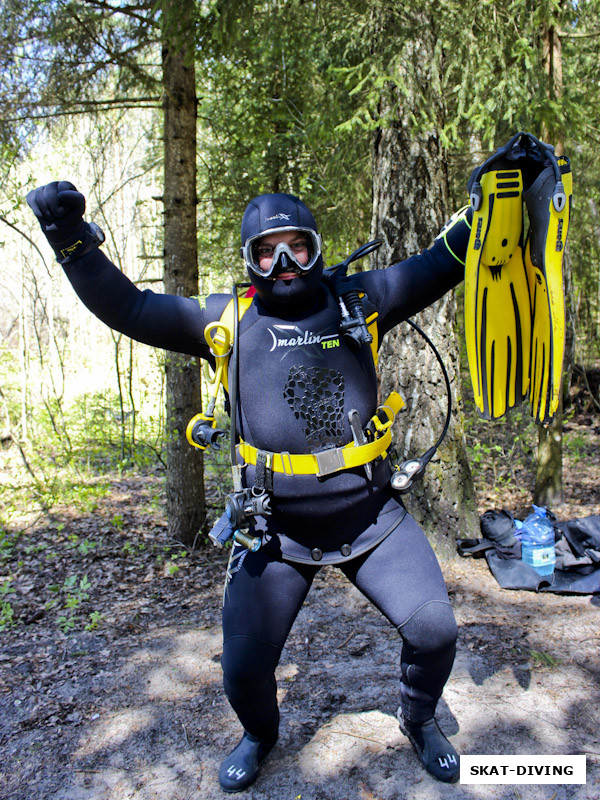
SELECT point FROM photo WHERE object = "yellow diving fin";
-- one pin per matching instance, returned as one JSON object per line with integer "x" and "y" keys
{"x": 514, "y": 297}
{"x": 548, "y": 202}
{"x": 497, "y": 302}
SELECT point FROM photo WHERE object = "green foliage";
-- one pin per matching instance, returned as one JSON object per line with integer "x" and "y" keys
{"x": 172, "y": 568}
{"x": 70, "y": 452}
{"x": 128, "y": 548}
{"x": 501, "y": 451}
{"x": 270, "y": 112}
{"x": 61, "y": 57}
{"x": 7, "y": 544}
{"x": 95, "y": 618}
{"x": 539, "y": 658}
{"x": 72, "y": 593}
{"x": 584, "y": 251}
{"x": 117, "y": 521}
{"x": 6, "y": 609}
{"x": 578, "y": 447}
{"x": 481, "y": 451}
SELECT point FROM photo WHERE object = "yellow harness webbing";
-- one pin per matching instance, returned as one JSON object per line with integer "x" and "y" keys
{"x": 333, "y": 459}
{"x": 324, "y": 463}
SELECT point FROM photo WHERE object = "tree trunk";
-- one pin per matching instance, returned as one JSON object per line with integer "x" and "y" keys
{"x": 185, "y": 486}
{"x": 548, "y": 487}
{"x": 410, "y": 191}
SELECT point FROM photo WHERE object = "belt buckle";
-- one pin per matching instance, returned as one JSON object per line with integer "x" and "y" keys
{"x": 329, "y": 461}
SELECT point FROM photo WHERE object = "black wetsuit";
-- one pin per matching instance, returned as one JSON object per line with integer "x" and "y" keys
{"x": 298, "y": 379}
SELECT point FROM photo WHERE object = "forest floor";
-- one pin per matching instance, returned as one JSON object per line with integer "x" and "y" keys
{"x": 110, "y": 682}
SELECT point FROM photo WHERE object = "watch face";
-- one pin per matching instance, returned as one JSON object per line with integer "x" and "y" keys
{"x": 98, "y": 233}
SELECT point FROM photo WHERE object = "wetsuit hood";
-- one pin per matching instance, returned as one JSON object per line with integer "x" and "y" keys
{"x": 266, "y": 214}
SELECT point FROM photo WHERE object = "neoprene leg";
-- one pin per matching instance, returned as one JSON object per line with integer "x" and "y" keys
{"x": 402, "y": 578}
{"x": 429, "y": 647}
{"x": 261, "y": 604}
{"x": 249, "y": 681}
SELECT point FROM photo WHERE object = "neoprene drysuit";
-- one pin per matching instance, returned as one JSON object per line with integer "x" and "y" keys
{"x": 298, "y": 379}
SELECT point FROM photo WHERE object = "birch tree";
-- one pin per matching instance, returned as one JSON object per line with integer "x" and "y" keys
{"x": 410, "y": 206}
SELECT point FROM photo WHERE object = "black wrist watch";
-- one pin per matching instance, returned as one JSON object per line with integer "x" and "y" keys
{"x": 92, "y": 237}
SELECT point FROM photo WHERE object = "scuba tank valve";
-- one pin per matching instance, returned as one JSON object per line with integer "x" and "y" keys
{"x": 200, "y": 432}
{"x": 353, "y": 324}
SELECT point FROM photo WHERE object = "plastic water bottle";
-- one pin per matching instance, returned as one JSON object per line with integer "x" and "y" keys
{"x": 537, "y": 542}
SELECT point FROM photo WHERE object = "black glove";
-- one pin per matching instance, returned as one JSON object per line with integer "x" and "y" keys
{"x": 339, "y": 281}
{"x": 59, "y": 208}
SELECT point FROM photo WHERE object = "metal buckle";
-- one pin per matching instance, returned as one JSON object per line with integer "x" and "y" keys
{"x": 329, "y": 461}
{"x": 286, "y": 463}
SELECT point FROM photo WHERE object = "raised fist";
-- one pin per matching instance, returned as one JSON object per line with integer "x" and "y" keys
{"x": 59, "y": 208}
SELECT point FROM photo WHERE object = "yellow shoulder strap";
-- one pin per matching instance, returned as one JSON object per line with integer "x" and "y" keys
{"x": 371, "y": 321}
{"x": 373, "y": 330}
{"x": 227, "y": 322}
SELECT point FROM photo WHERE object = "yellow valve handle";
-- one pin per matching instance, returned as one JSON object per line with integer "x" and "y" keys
{"x": 190, "y": 427}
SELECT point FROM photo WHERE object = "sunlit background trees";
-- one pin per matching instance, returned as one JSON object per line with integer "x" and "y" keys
{"x": 342, "y": 103}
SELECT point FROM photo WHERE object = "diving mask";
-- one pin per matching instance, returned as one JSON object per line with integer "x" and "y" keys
{"x": 253, "y": 251}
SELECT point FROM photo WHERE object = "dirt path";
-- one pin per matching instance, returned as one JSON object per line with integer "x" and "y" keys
{"x": 133, "y": 707}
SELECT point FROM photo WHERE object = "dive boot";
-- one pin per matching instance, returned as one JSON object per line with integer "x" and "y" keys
{"x": 242, "y": 765}
{"x": 435, "y": 752}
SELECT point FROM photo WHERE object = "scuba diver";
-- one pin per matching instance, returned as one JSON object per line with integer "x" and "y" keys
{"x": 313, "y": 480}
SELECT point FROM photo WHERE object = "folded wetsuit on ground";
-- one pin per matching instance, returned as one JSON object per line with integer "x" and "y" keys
{"x": 577, "y": 556}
